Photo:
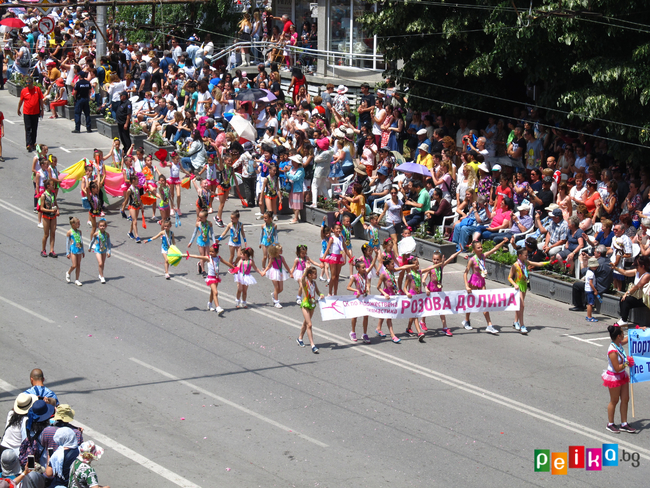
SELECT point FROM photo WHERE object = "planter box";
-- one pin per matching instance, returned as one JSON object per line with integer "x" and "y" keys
{"x": 59, "y": 111}
{"x": 551, "y": 288}
{"x": 106, "y": 129}
{"x": 315, "y": 216}
{"x": 138, "y": 140}
{"x": 150, "y": 148}
{"x": 93, "y": 120}
{"x": 497, "y": 272}
{"x": 68, "y": 112}
{"x": 13, "y": 89}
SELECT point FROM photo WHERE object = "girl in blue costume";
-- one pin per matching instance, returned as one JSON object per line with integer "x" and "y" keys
{"x": 237, "y": 235}
{"x": 204, "y": 234}
{"x": 100, "y": 243}
{"x": 167, "y": 239}
{"x": 268, "y": 236}
{"x": 74, "y": 250}
{"x": 275, "y": 273}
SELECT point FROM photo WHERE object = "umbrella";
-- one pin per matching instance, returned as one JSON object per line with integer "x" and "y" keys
{"x": 413, "y": 168}
{"x": 251, "y": 95}
{"x": 243, "y": 128}
{"x": 269, "y": 97}
{"x": 13, "y": 23}
{"x": 174, "y": 255}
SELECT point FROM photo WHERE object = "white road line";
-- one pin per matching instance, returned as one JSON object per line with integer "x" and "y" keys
{"x": 588, "y": 341}
{"x": 76, "y": 149}
{"x": 10, "y": 122}
{"x": 228, "y": 402}
{"x": 25, "y": 309}
{"x": 389, "y": 358}
{"x": 130, "y": 454}
{"x": 65, "y": 150}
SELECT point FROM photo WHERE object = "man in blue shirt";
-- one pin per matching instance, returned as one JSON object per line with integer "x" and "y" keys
{"x": 42, "y": 392}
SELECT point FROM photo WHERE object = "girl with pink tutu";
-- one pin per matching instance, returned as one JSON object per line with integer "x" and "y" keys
{"x": 434, "y": 274}
{"x": 617, "y": 380}
{"x": 360, "y": 285}
{"x": 212, "y": 261}
{"x": 369, "y": 258}
{"x": 243, "y": 276}
{"x": 476, "y": 266}
{"x": 277, "y": 271}
{"x": 413, "y": 286}
{"x": 387, "y": 286}
{"x": 174, "y": 181}
{"x": 299, "y": 266}
{"x": 334, "y": 257}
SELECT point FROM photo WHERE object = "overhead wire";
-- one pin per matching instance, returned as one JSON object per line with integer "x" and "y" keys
{"x": 469, "y": 92}
{"x": 442, "y": 102}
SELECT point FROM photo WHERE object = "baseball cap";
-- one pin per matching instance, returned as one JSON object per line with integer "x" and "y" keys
{"x": 422, "y": 132}
{"x": 556, "y": 213}
{"x": 547, "y": 179}
{"x": 383, "y": 171}
{"x": 496, "y": 167}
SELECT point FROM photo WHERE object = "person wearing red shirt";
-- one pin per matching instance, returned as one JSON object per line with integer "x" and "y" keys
{"x": 31, "y": 101}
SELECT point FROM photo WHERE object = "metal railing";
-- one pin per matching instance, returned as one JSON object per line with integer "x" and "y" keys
{"x": 334, "y": 59}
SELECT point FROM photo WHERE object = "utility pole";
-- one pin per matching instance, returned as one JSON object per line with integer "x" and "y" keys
{"x": 101, "y": 32}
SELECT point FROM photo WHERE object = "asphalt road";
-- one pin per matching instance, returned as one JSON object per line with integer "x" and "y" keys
{"x": 182, "y": 397}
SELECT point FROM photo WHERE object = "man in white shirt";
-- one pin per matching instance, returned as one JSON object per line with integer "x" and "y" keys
{"x": 378, "y": 118}
{"x": 462, "y": 131}
{"x": 176, "y": 50}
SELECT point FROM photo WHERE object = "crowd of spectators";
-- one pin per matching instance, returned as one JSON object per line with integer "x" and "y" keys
{"x": 42, "y": 447}
{"x": 522, "y": 180}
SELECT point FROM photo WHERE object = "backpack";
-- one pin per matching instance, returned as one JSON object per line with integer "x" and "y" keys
{"x": 453, "y": 187}
{"x": 30, "y": 447}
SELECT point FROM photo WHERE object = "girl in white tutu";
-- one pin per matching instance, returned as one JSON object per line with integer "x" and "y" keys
{"x": 299, "y": 267}
{"x": 243, "y": 277}
{"x": 277, "y": 271}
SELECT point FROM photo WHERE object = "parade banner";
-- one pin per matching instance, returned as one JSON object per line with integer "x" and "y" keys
{"x": 639, "y": 349}
{"x": 402, "y": 307}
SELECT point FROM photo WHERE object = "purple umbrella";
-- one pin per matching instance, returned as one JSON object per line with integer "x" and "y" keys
{"x": 414, "y": 168}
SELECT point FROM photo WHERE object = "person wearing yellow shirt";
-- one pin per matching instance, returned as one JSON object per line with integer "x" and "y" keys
{"x": 424, "y": 158}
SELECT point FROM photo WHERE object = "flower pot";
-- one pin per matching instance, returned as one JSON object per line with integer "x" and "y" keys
{"x": 93, "y": 120}
{"x": 551, "y": 288}
{"x": 426, "y": 248}
{"x": 13, "y": 89}
{"x": 150, "y": 148}
{"x": 497, "y": 271}
{"x": 138, "y": 140}
{"x": 315, "y": 216}
{"x": 106, "y": 129}
{"x": 59, "y": 111}
{"x": 68, "y": 112}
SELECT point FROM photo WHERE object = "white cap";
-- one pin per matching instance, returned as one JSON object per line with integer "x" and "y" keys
{"x": 496, "y": 167}
{"x": 422, "y": 132}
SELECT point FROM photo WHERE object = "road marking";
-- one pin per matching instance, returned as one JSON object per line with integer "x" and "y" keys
{"x": 64, "y": 149}
{"x": 25, "y": 309}
{"x": 394, "y": 360}
{"x": 10, "y": 122}
{"x": 228, "y": 402}
{"x": 588, "y": 341}
{"x": 122, "y": 449}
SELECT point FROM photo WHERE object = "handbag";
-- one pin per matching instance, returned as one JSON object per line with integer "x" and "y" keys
{"x": 646, "y": 295}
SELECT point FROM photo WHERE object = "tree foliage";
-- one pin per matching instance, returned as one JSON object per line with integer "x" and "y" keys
{"x": 590, "y": 58}
{"x": 135, "y": 20}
